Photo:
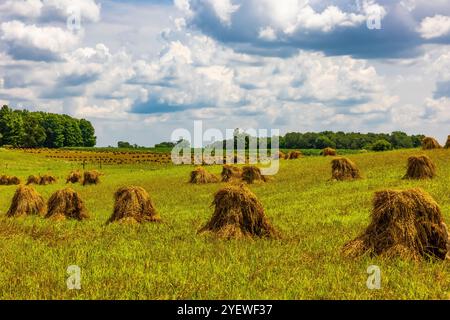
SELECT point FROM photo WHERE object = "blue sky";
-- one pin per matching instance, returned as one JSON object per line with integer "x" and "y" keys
{"x": 141, "y": 69}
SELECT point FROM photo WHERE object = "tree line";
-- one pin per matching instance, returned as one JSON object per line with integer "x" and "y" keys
{"x": 336, "y": 140}
{"x": 26, "y": 129}
{"x": 352, "y": 140}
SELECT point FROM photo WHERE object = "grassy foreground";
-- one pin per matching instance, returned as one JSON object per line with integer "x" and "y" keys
{"x": 170, "y": 261}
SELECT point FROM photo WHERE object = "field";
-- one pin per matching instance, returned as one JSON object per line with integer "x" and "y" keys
{"x": 170, "y": 261}
{"x": 102, "y": 157}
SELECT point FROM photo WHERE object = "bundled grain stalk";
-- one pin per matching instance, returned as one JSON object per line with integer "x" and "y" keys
{"x": 250, "y": 174}
{"x": 344, "y": 169}
{"x": 46, "y": 179}
{"x": 4, "y": 180}
{"x": 280, "y": 155}
{"x": 294, "y": 155}
{"x": 406, "y": 224}
{"x": 328, "y": 152}
{"x": 238, "y": 213}
{"x": 201, "y": 176}
{"x": 420, "y": 167}
{"x": 8, "y": 180}
{"x": 230, "y": 172}
{"x": 429, "y": 143}
{"x": 133, "y": 204}
{"x": 91, "y": 177}
{"x": 66, "y": 203}
{"x": 33, "y": 180}
{"x": 74, "y": 177}
{"x": 14, "y": 181}
{"x": 26, "y": 201}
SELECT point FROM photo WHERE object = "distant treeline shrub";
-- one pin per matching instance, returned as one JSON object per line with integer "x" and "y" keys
{"x": 334, "y": 140}
{"x": 381, "y": 145}
{"x": 26, "y": 129}
{"x": 352, "y": 140}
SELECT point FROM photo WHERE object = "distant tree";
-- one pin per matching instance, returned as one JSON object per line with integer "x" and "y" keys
{"x": 11, "y": 127}
{"x": 72, "y": 132}
{"x": 22, "y": 128}
{"x": 165, "y": 145}
{"x": 87, "y": 133}
{"x": 124, "y": 144}
{"x": 417, "y": 140}
{"x": 340, "y": 140}
{"x": 400, "y": 139}
{"x": 54, "y": 130}
{"x": 382, "y": 145}
{"x": 35, "y": 135}
{"x": 323, "y": 142}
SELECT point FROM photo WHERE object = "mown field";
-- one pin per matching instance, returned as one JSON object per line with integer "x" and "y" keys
{"x": 170, "y": 261}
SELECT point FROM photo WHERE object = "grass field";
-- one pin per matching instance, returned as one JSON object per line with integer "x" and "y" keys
{"x": 170, "y": 261}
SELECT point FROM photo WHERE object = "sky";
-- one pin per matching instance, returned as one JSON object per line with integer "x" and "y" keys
{"x": 139, "y": 69}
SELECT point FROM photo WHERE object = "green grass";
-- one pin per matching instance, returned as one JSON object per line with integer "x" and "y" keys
{"x": 170, "y": 261}
{"x": 316, "y": 152}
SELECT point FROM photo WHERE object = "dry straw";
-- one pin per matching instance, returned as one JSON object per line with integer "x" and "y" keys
{"x": 420, "y": 167}
{"x": 47, "y": 179}
{"x": 201, "y": 176}
{"x": 406, "y": 224}
{"x": 26, "y": 201}
{"x": 238, "y": 213}
{"x": 294, "y": 155}
{"x": 66, "y": 203}
{"x": 344, "y": 169}
{"x": 9, "y": 180}
{"x": 328, "y": 152}
{"x": 33, "y": 180}
{"x": 41, "y": 180}
{"x": 429, "y": 143}
{"x": 74, "y": 177}
{"x": 230, "y": 173}
{"x": 91, "y": 177}
{"x": 280, "y": 155}
{"x": 4, "y": 180}
{"x": 250, "y": 174}
{"x": 133, "y": 204}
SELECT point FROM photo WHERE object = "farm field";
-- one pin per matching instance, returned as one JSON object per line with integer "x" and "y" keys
{"x": 168, "y": 260}
{"x": 103, "y": 156}
{"x": 109, "y": 156}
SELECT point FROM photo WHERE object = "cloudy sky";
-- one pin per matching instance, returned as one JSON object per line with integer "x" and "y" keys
{"x": 140, "y": 69}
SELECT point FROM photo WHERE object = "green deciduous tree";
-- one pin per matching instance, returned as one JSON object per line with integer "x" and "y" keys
{"x": 382, "y": 145}
{"x": 350, "y": 140}
{"x": 22, "y": 128}
{"x": 88, "y": 133}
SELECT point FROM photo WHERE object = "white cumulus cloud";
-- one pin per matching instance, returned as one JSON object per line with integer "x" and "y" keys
{"x": 33, "y": 42}
{"x": 51, "y": 9}
{"x": 434, "y": 27}
{"x": 224, "y": 9}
